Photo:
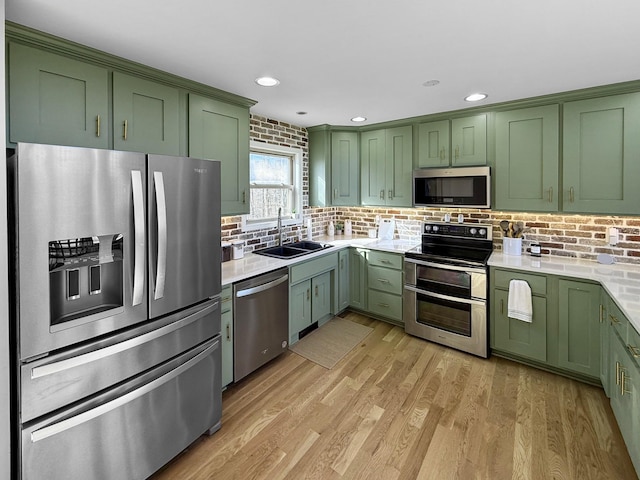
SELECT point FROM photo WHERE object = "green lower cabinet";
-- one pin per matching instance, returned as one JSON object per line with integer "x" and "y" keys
{"x": 226, "y": 310}
{"x": 220, "y": 131}
{"x": 343, "y": 279}
{"x": 146, "y": 116}
{"x": 358, "y": 278}
{"x": 519, "y": 337}
{"x": 299, "y": 309}
{"x": 605, "y": 334}
{"x": 579, "y": 327}
{"x": 57, "y": 100}
{"x": 320, "y": 297}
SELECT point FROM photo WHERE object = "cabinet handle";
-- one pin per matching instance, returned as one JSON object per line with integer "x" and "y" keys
{"x": 341, "y": 263}
{"x": 316, "y": 290}
{"x": 442, "y": 153}
{"x": 601, "y": 313}
{"x": 457, "y": 152}
{"x": 98, "y": 126}
{"x": 633, "y": 350}
{"x": 550, "y": 194}
{"x": 383, "y": 280}
{"x": 571, "y": 195}
{"x": 623, "y": 378}
{"x": 617, "y": 373}
{"x": 501, "y": 306}
{"x": 614, "y": 320}
{"x": 335, "y": 193}
{"x": 228, "y": 332}
{"x": 385, "y": 305}
{"x": 382, "y": 194}
{"x": 125, "y": 128}
{"x": 308, "y": 293}
{"x": 390, "y": 197}
{"x": 244, "y": 196}
{"x": 388, "y": 262}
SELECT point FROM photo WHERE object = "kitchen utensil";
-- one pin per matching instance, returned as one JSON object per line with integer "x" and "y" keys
{"x": 504, "y": 225}
{"x": 510, "y": 231}
{"x": 386, "y": 229}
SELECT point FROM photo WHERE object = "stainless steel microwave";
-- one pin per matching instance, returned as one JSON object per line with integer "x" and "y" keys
{"x": 452, "y": 187}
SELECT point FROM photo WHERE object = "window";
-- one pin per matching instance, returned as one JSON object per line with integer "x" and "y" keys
{"x": 275, "y": 180}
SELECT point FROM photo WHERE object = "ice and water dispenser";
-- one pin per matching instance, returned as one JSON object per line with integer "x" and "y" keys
{"x": 85, "y": 278}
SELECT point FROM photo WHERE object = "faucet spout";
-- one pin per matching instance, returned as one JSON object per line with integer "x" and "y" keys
{"x": 280, "y": 226}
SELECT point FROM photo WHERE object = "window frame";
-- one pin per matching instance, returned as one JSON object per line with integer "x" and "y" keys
{"x": 296, "y": 155}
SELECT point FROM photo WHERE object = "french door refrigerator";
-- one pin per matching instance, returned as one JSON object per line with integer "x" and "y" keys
{"x": 116, "y": 313}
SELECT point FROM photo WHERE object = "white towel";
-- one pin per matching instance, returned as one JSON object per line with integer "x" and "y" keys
{"x": 520, "y": 306}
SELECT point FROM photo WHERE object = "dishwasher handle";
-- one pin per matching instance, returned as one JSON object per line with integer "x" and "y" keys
{"x": 261, "y": 288}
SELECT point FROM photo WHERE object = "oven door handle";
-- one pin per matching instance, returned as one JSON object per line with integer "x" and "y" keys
{"x": 443, "y": 266}
{"x": 468, "y": 301}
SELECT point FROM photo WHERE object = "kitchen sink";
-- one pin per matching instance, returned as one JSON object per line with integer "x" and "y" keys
{"x": 292, "y": 250}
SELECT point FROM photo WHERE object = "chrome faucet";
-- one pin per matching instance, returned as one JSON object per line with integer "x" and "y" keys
{"x": 280, "y": 226}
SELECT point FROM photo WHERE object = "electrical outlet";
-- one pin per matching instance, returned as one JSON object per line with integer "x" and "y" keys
{"x": 612, "y": 236}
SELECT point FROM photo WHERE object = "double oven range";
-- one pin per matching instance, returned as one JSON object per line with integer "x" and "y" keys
{"x": 445, "y": 291}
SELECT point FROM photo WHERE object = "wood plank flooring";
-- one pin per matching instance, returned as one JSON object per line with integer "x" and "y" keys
{"x": 398, "y": 407}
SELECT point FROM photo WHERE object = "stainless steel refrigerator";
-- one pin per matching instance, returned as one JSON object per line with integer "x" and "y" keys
{"x": 116, "y": 313}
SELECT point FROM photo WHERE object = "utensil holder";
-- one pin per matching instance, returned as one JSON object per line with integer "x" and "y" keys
{"x": 512, "y": 246}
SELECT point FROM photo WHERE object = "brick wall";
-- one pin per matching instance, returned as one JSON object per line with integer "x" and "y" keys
{"x": 581, "y": 236}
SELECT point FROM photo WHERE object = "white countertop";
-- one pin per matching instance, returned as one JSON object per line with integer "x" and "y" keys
{"x": 253, "y": 264}
{"x": 620, "y": 280}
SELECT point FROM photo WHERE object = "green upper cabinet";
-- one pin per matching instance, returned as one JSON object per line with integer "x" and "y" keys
{"x": 461, "y": 142}
{"x": 57, "y": 100}
{"x": 579, "y": 327}
{"x": 601, "y": 155}
{"x": 386, "y": 162}
{"x": 146, "y": 116}
{"x": 220, "y": 131}
{"x": 526, "y": 163}
{"x": 344, "y": 169}
{"x": 433, "y": 144}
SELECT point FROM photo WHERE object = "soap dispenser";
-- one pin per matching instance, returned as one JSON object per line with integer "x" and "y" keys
{"x": 331, "y": 229}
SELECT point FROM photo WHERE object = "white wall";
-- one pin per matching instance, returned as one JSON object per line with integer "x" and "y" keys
{"x": 5, "y": 439}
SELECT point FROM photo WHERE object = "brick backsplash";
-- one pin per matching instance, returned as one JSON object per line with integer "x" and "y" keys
{"x": 580, "y": 236}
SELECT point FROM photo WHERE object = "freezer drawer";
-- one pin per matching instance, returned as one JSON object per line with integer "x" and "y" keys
{"x": 61, "y": 379}
{"x": 134, "y": 430}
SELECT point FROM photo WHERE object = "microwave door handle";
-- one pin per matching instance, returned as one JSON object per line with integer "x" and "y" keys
{"x": 441, "y": 266}
{"x": 138, "y": 237}
{"x": 161, "y": 209}
{"x": 467, "y": 301}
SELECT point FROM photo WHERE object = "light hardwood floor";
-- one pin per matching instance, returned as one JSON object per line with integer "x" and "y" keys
{"x": 398, "y": 407}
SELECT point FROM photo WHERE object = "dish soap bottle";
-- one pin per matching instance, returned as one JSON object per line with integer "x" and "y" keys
{"x": 331, "y": 230}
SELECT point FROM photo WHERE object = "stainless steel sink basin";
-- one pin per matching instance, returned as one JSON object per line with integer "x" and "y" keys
{"x": 292, "y": 250}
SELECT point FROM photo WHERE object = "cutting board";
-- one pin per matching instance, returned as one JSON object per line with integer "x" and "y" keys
{"x": 386, "y": 229}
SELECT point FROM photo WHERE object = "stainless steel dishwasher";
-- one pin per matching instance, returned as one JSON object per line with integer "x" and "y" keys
{"x": 261, "y": 321}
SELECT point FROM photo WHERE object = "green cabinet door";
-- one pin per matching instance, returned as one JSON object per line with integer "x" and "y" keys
{"x": 146, "y": 116}
{"x": 399, "y": 166}
{"x": 372, "y": 167}
{"x": 54, "y": 99}
{"x": 469, "y": 141}
{"x": 622, "y": 392}
{"x": 220, "y": 131}
{"x": 343, "y": 279}
{"x": 433, "y": 144}
{"x": 358, "y": 278}
{"x": 515, "y": 336}
{"x": 299, "y": 309}
{"x": 321, "y": 297}
{"x": 579, "y": 327}
{"x": 526, "y": 164}
{"x": 345, "y": 181}
{"x": 605, "y": 334}
{"x": 601, "y": 155}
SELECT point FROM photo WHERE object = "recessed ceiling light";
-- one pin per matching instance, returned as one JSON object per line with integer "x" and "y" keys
{"x": 431, "y": 83}
{"x": 267, "y": 81}
{"x": 359, "y": 119}
{"x": 476, "y": 97}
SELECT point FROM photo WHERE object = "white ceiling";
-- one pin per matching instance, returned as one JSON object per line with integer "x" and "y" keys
{"x": 340, "y": 58}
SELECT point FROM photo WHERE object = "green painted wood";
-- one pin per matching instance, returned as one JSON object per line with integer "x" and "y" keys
{"x": 433, "y": 144}
{"x": 345, "y": 167}
{"x": 386, "y": 305}
{"x": 399, "y": 166}
{"x": 624, "y": 407}
{"x": 56, "y": 100}
{"x": 469, "y": 141}
{"x": 151, "y": 113}
{"x": 299, "y": 309}
{"x": 311, "y": 268}
{"x": 320, "y": 167}
{"x": 220, "y": 131}
{"x": 515, "y": 336}
{"x": 601, "y": 155}
{"x": 343, "y": 279}
{"x": 385, "y": 259}
{"x": 579, "y": 327}
{"x": 373, "y": 167}
{"x": 537, "y": 283}
{"x": 385, "y": 279}
{"x": 527, "y": 163}
{"x": 605, "y": 335}
{"x": 358, "y": 278}
{"x": 321, "y": 297}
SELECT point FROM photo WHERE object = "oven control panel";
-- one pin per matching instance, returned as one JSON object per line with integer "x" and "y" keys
{"x": 465, "y": 230}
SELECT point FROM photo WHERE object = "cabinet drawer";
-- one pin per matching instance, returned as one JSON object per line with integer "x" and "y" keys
{"x": 633, "y": 344}
{"x": 303, "y": 271}
{"x": 385, "y": 259}
{"x": 618, "y": 321}
{"x": 385, "y": 304}
{"x": 226, "y": 299}
{"x": 538, "y": 283}
{"x": 385, "y": 279}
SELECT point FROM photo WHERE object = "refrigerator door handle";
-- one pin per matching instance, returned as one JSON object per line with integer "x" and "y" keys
{"x": 161, "y": 265}
{"x": 100, "y": 410}
{"x": 139, "y": 236}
